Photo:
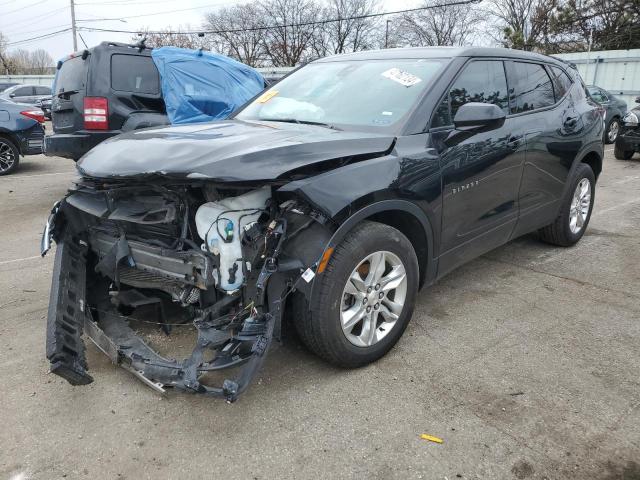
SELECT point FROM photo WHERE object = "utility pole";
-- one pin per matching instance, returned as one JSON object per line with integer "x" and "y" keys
{"x": 73, "y": 26}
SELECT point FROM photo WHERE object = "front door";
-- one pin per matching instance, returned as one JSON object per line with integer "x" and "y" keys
{"x": 481, "y": 172}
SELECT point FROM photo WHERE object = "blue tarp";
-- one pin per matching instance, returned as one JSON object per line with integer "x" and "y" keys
{"x": 202, "y": 86}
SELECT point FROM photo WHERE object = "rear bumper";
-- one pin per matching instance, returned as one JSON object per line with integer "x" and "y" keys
{"x": 32, "y": 140}
{"x": 75, "y": 145}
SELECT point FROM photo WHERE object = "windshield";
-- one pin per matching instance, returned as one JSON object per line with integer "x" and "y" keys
{"x": 372, "y": 94}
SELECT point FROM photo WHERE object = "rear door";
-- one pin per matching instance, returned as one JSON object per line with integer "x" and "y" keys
{"x": 69, "y": 90}
{"x": 541, "y": 100}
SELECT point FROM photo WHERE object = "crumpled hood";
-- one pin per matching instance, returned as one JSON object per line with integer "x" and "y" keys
{"x": 227, "y": 151}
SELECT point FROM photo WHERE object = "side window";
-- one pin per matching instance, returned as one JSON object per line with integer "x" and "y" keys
{"x": 43, "y": 91}
{"x": 23, "y": 92}
{"x": 481, "y": 81}
{"x": 530, "y": 86}
{"x": 134, "y": 73}
{"x": 561, "y": 82}
{"x": 598, "y": 95}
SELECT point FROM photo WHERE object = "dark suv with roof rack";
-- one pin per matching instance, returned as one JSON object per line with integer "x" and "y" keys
{"x": 101, "y": 92}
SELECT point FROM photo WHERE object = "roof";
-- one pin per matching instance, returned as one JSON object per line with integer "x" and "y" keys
{"x": 441, "y": 52}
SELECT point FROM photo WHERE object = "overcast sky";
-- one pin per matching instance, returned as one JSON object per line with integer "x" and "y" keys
{"x": 25, "y": 19}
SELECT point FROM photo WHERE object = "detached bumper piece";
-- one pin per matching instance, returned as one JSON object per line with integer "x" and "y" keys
{"x": 65, "y": 348}
{"x": 243, "y": 343}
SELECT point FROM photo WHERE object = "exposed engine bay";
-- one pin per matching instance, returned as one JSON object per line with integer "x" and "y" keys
{"x": 225, "y": 257}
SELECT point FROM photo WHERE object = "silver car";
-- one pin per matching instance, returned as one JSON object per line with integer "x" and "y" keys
{"x": 29, "y": 94}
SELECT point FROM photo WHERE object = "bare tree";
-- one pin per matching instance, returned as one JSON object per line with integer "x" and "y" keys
{"x": 40, "y": 62}
{"x": 238, "y": 33}
{"x": 290, "y": 38}
{"x": 522, "y": 24}
{"x": 439, "y": 25}
{"x": 352, "y": 31}
{"x": 5, "y": 61}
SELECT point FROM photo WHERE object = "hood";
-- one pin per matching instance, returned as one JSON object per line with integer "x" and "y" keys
{"x": 227, "y": 151}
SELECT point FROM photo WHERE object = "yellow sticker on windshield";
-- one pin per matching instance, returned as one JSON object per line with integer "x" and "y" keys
{"x": 266, "y": 96}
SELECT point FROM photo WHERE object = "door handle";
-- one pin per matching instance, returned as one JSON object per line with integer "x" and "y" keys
{"x": 513, "y": 143}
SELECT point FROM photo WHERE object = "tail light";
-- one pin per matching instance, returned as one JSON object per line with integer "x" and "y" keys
{"x": 96, "y": 113}
{"x": 37, "y": 115}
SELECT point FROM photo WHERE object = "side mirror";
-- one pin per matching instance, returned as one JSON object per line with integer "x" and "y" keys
{"x": 12, "y": 95}
{"x": 475, "y": 117}
{"x": 637, "y": 99}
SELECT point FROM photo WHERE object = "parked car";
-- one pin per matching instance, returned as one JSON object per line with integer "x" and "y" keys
{"x": 45, "y": 105}
{"x": 101, "y": 92}
{"x": 615, "y": 110}
{"x": 320, "y": 198}
{"x": 26, "y": 94}
{"x": 5, "y": 85}
{"x": 21, "y": 133}
{"x": 628, "y": 141}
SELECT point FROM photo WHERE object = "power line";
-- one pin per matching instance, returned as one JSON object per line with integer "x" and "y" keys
{"x": 269, "y": 27}
{"x": 39, "y": 37}
{"x": 40, "y": 18}
{"x": 166, "y": 11}
{"x": 23, "y": 7}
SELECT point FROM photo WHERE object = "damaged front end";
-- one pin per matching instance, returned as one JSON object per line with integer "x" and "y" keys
{"x": 218, "y": 258}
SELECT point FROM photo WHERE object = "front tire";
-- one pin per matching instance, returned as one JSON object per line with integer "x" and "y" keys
{"x": 575, "y": 212}
{"x": 9, "y": 156}
{"x": 621, "y": 154}
{"x": 365, "y": 297}
{"x": 611, "y": 133}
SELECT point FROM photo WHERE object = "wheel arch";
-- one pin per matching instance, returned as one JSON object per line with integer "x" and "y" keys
{"x": 9, "y": 135}
{"x": 594, "y": 160}
{"x": 406, "y": 217}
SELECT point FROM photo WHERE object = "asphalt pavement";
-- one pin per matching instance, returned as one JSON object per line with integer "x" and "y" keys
{"x": 526, "y": 362}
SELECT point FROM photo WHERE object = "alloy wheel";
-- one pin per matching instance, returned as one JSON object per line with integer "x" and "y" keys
{"x": 7, "y": 156}
{"x": 373, "y": 298}
{"x": 580, "y": 205}
{"x": 613, "y": 131}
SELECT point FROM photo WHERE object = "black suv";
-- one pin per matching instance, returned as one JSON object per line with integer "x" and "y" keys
{"x": 320, "y": 198}
{"x": 628, "y": 141}
{"x": 101, "y": 92}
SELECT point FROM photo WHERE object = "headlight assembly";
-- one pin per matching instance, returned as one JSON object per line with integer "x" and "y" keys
{"x": 630, "y": 119}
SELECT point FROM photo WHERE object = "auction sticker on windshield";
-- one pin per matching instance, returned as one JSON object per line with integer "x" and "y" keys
{"x": 266, "y": 96}
{"x": 403, "y": 78}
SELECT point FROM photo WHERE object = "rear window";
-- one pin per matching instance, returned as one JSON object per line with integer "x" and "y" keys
{"x": 134, "y": 73}
{"x": 71, "y": 76}
{"x": 561, "y": 82}
{"x": 23, "y": 92}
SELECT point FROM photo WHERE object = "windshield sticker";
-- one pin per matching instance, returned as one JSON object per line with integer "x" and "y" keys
{"x": 387, "y": 113}
{"x": 403, "y": 78}
{"x": 266, "y": 96}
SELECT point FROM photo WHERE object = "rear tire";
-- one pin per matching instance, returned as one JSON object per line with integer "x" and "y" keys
{"x": 575, "y": 212}
{"x": 621, "y": 154}
{"x": 329, "y": 328}
{"x": 9, "y": 156}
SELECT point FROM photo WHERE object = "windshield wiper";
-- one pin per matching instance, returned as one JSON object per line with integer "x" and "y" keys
{"x": 68, "y": 92}
{"x": 300, "y": 122}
